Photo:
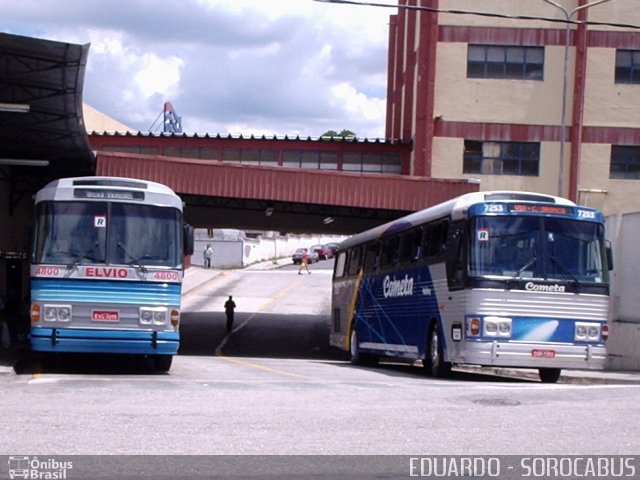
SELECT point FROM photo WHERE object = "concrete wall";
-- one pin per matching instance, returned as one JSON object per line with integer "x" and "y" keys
{"x": 623, "y": 346}
{"x": 238, "y": 252}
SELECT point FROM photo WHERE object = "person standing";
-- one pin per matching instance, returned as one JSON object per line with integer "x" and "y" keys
{"x": 207, "y": 254}
{"x": 229, "y": 307}
{"x": 304, "y": 260}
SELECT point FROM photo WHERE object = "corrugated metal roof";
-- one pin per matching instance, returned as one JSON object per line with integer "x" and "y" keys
{"x": 225, "y": 179}
{"x": 46, "y": 78}
{"x": 218, "y": 136}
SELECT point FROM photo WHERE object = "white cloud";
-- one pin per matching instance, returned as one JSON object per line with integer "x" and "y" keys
{"x": 294, "y": 67}
{"x": 158, "y": 75}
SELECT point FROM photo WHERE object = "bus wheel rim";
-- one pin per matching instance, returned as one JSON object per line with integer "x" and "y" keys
{"x": 353, "y": 347}
{"x": 435, "y": 357}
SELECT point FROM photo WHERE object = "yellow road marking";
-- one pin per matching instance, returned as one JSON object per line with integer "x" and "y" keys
{"x": 260, "y": 367}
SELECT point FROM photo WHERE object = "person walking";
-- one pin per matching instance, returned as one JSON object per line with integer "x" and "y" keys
{"x": 304, "y": 260}
{"x": 207, "y": 254}
{"x": 229, "y": 307}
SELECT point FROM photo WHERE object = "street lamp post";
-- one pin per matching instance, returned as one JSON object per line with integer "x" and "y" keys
{"x": 563, "y": 124}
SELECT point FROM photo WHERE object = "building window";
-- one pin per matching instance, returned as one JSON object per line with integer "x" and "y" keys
{"x": 250, "y": 156}
{"x": 310, "y": 159}
{"x": 131, "y": 149}
{"x": 628, "y": 66}
{"x": 501, "y": 158}
{"x": 372, "y": 163}
{"x": 495, "y": 61}
{"x": 625, "y": 162}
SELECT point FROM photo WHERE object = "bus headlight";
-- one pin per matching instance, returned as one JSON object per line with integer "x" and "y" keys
{"x": 153, "y": 316}
{"x": 50, "y": 314}
{"x": 64, "y": 314}
{"x": 57, "y": 313}
{"x": 587, "y": 332}
{"x": 497, "y": 327}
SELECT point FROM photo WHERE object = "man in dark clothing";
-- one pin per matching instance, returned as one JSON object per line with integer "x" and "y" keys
{"x": 229, "y": 306}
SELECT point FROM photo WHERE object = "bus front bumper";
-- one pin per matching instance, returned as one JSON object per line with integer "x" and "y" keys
{"x": 531, "y": 355}
{"x": 104, "y": 341}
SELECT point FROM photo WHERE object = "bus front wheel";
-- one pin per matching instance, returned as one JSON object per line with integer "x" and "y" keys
{"x": 434, "y": 362}
{"x": 549, "y": 375}
{"x": 356, "y": 356}
{"x": 162, "y": 363}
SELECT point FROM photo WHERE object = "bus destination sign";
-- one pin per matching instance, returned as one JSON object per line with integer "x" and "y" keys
{"x": 537, "y": 208}
{"x": 97, "y": 194}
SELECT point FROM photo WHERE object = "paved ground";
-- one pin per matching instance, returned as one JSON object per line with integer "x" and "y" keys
{"x": 196, "y": 276}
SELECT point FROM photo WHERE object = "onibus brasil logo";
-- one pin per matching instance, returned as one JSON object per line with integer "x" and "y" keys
{"x": 38, "y": 469}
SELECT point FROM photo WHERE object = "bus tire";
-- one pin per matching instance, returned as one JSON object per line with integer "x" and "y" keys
{"x": 549, "y": 375}
{"x": 357, "y": 357}
{"x": 433, "y": 361}
{"x": 162, "y": 363}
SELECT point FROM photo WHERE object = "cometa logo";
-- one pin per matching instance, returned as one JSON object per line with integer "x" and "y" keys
{"x": 534, "y": 287}
{"x": 397, "y": 288}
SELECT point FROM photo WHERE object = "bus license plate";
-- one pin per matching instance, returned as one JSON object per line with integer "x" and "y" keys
{"x": 538, "y": 353}
{"x": 105, "y": 315}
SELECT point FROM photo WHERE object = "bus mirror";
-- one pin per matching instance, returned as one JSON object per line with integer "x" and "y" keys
{"x": 188, "y": 236}
{"x": 609, "y": 252}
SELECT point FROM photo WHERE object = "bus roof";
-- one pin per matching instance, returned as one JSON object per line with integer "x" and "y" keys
{"x": 455, "y": 208}
{"x": 153, "y": 193}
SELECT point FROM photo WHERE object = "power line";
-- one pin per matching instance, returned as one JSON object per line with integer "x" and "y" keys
{"x": 482, "y": 14}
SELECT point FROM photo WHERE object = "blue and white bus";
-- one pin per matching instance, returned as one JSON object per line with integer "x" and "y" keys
{"x": 489, "y": 278}
{"x": 107, "y": 268}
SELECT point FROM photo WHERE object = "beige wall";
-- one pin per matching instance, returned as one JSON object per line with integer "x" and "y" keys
{"x": 497, "y": 101}
{"x": 539, "y": 102}
{"x": 606, "y": 102}
{"x": 615, "y": 11}
{"x": 598, "y": 190}
{"x": 534, "y": 8}
{"x": 447, "y": 163}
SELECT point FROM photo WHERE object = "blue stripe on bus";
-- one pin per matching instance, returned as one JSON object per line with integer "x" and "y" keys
{"x": 400, "y": 319}
{"x": 97, "y": 291}
{"x": 104, "y": 341}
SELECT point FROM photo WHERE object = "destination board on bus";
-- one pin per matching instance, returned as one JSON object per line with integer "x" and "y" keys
{"x": 538, "y": 208}
{"x": 107, "y": 194}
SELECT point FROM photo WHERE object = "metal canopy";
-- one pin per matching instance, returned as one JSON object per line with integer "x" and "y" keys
{"x": 42, "y": 133}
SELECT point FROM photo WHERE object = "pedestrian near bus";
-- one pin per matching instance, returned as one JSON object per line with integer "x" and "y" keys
{"x": 304, "y": 260}
{"x": 207, "y": 254}
{"x": 229, "y": 307}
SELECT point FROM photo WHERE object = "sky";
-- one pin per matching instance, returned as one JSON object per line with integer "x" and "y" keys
{"x": 239, "y": 67}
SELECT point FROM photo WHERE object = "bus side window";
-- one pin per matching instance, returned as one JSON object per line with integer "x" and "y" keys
{"x": 411, "y": 246}
{"x": 389, "y": 252}
{"x": 371, "y": 257}
{"x": 341, "y": 261}
{"x": 355, "y": 255}
{"x": 455, "y": 255}
{"x": 435, "y": 239}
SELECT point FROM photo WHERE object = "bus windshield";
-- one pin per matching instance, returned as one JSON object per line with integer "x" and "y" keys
{"x": 553, "y": 249}
{"x": 72, "y": 233}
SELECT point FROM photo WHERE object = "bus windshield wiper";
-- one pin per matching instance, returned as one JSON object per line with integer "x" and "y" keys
{"x": 566, "y": 271}
{"x": 79, "y": 257}
{"x": 134, "y": 260}
{"x": 516, "y": 275}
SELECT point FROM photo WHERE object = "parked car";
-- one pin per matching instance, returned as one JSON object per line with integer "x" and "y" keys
{"x": 333, "y": 246}
{"x": 323, "y": 251}
{"x": 297, "y": 255}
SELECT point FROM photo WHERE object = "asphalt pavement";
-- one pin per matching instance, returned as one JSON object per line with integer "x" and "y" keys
{"x": 196, "y": 277}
